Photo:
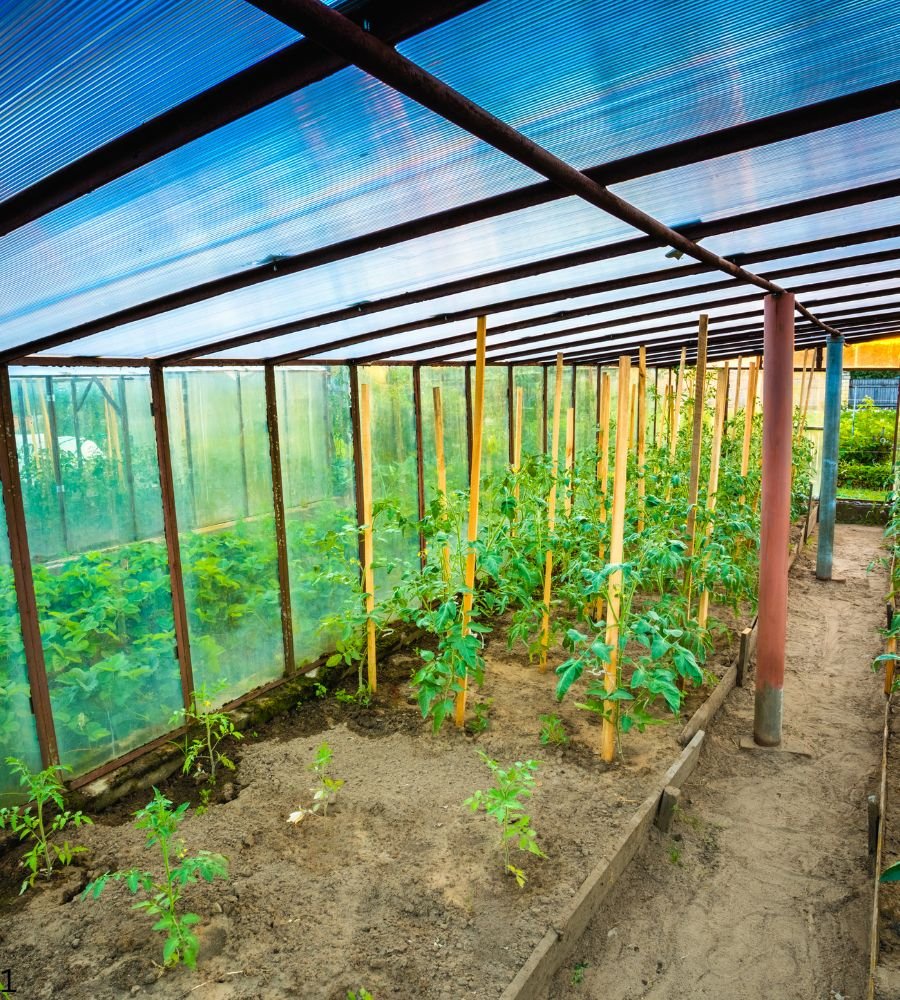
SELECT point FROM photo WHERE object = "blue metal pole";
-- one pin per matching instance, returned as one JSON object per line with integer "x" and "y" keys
{"x": 830, "y": 441}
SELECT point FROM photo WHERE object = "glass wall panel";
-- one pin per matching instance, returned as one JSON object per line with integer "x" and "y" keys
{"x": 565, "y": 406}
{"x": 394, "y": 474}
{"x": 99, "y": 561}
{"x": 18, "y": 735}
{"x": 495, "y": 447}
{"x": 586, "y": 409}
{"x": 319, "y": 499}
{"x": 223, "y": 497}
{"x": 531, "y": 380}
{"x": 452, "y": 383}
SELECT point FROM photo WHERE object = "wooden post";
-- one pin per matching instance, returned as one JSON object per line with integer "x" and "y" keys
{"x": 365, "y": 440}
{"x": 696, "y": 444}
{"x": 715, "y": 454}
{"x": 804, "y": 406}
{"x": 441, "y": 470}
{"x": 749, "y": 409}
{"x": 616, "y": 557}
{"x": 603, "y": 468}
{"x": 670, "y": 417}
{"x": 474, "y": 496}
{"x": 737, "y": 388}
{"x": 632, "y": 437}
{"x": 679, "y": 398}
{"x": 802, "y": 392}
{"x": 420, "y": 458}
{"x": 570, "y": 459}
{"x": 551, "y": 511}
{"x": 517, "y": 452}
{"x": 641, "y": 433}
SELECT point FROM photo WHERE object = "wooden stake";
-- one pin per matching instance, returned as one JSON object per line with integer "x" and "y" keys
{"x": 696, "y": 444}
{"x": 632, "y": 438}
{"x": 718, "y": 430}
{"x": 570, "y": 459}
{"x": 603, "y": 467}
{"x": 365, "y": 439}
{"x": 679, "y": 397}
{"x": 802, "y": 379}
{"x": 641, "y": 432}
{"x": 474, "y": 496}
{"x": 517, "y": 447}
{"x": 737, "y": 390}
{"x": 805, "y": 402}
{"x": 616, "y": 557}
{"x": 441, "y": 470}
{"x": 752, "y": 375}
{"x": 551, "y": 511}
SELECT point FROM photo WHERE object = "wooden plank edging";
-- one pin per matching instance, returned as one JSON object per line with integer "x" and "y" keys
{"x": 558, "y": 944}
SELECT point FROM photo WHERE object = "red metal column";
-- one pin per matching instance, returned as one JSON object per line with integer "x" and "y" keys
{"x": 778, "y": 365}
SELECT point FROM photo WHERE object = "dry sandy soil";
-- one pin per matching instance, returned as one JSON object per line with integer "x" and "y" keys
{"x": 762, "y": 891}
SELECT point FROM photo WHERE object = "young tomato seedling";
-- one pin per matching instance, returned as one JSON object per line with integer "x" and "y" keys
{"x": 161, "y": 822}
{"x": 31, "y": 822}
{"x": 552, "y": 730}
{"x": 326, "y": 789}
{"x": 502, "y": 803}
{"x": 202, "y": 754}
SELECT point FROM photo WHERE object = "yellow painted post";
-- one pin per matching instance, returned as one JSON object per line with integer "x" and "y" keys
{"x": 714, "y": 458}
{"x": 603, "y": 467}
{"x": 551, "y": 511}
{"x": 696, "y": 444}
{"x": 616, "y": 557}
{"x": 474, "y": 497}
{"x": 641, "y": 433}
{"x": 441, "y": 470}
{"x": 365, "y": 439}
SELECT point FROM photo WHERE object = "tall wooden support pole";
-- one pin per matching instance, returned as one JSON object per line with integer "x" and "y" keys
{"x": 679, "y": 398}
{"x": 804, "y": 406}
{"x": 778, "y": 347}
{"x": 23, "y": 581}
{"x": 570, "y": 460}
{"x": 603, "y": 468}
{"x": 284, "y": 581}
{"x": 803, "y": 364}
{"x": 632, "y": 421}
{"x": 641, "y": 433}
{"x": 896, "y": 432}
{"x": 474, "y": 496}
{"x": 696, "y": 444}
{"x": 551, "y": 511}
{"x": 517, "y": 448}
{"x": 510, "y": 415}
{"x": 749, "y": 412}
{"x": 830, "y": 444}
{"x": 365, "y": 441}
{"x": 544, "y": 413}
{"x": 737, "y": 388}
{"x": 714, "y": 458}
{"x": 441, "y": 470}
{"x": 170, "y": 526}
{"x": 616, "y": 558}
{"x": 420, "y": 457}
{"x": 468, "y": 385}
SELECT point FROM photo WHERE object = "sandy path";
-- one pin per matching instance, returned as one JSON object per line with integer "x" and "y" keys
{"x": 761, "y": 891}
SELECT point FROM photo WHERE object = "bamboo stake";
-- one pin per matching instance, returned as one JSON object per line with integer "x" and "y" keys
{"x": 365, "y": 440}
{"x": 641, "y": 433}
{"x": 715, "y": 454}
{"x": 551, "y": 511}
{"x": 752, "y": 375}
{"x": 474, "y": 496}
{"x": 679, "y": 397}
{"x": 616, "y": 558}
{"x": 441, "y": 470}
{"x": 603, "y": 468}
{"x": 570, "y": 459}
{"x": 517, "y": 447}
{"x": 696, "y": 443}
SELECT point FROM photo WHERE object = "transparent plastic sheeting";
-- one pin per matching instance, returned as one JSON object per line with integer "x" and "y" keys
{"x": 348, "y": 155}
{"x": 77, "y": 74}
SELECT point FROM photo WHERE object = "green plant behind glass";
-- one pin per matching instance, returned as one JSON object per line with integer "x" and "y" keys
{"x": 202, "y": 753}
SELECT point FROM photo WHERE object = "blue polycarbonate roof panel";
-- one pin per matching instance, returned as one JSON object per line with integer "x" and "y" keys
{"x": 75, "y": 74}
{"x": 741, "y": 182}
{"x": 348, "y": 155}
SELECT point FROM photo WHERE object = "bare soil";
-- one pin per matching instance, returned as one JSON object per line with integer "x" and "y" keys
{"x": 762, "y": 891}
{"x": 400, "y": 889}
